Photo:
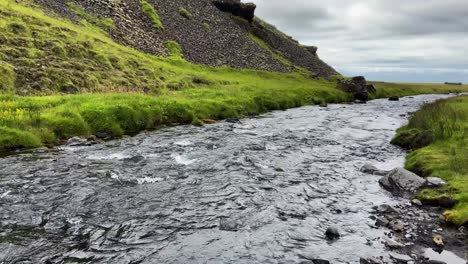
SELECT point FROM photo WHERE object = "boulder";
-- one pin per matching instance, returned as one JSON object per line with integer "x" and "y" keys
{"x": 235, "y": 7}
{"x": 358, "y": 87}
{"x": 394, "y": 98}
{"x": 402, "y": 182}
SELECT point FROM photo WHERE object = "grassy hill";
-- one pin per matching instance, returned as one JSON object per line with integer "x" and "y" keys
{"x": 61, "y": 78}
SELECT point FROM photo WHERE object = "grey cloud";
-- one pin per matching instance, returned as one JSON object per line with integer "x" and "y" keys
{"x": 364, "y": 34}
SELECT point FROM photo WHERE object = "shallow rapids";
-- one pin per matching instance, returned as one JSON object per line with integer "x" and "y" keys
{"x": 260, "y": 191}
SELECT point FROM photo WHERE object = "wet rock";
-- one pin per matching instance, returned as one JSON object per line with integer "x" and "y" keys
{"x": 229, "y": 224}
{"x": 358, "y": 87}
{"x": 402, "y": 182}
{"x": 434, "y": 182}
{"x": 134, "y": 159}
{"x": 434, "y": 262}
{"x": 320, "y": 261}
{"x": 371, "y": 169}
{"x": 103, "y": 135}
{"x": 397, "y": 226}
{"x": 232, "y": 120}
{"x": 313, "y": 259}
{"x": 332, "y": 233}
{"x": 394, "y": 98}
{"x": 416, "y": 202}
{"x": 381, "y": 221}
{"x": 371, "y": 260}
{"x": 390, "y": 243}
{"x": 400, "y": 258}
{"x": 76, "y": 141}
{"x": 368, "y": 168}
{"x": 386, "y": 209}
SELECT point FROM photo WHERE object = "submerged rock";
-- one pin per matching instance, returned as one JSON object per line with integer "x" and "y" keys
{"x": 332, "y": 233}
{"x": 402, "y": 182}
{"x": 371, "y": 169}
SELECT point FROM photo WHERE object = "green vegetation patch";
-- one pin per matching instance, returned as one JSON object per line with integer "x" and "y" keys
{"x": 174, "y": 48}
{"x": 442, "y": 126}
{"x": 206, "y": 26}
{"x": 104, "y": 23}
{"x": 151, "y": 14}
{"x": 7, "y": 78}
{"x": 388, "y": 89}
{"x": 183, "y": 12}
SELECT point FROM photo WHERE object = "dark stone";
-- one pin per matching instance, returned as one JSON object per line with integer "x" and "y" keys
{"x": 235, "y": 7}
{"x": 394, "y": 98}
{"x": 311, "y": 49}
{"x": 332, "y": 233}
{"x": 402, "y": 182}
{"x": 370, "y": 261}
{"x": 371, "y": 89}
{"x": 69, "y": 89}
{"x": 371, "y": 169}
{"x": 443, "y": 201}
{"x": 232, "y": 120}
{"x": 103, "y": 135}
{"x": 358, "y": 87}
{"x": 135, "y": 159}
{"x": 320, "y": 261}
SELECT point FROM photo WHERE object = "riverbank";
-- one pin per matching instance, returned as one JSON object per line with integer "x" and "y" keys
{"x": 119, "y": 91}
{"x": 34, "y": 121}
{"x": 437, "y": 134}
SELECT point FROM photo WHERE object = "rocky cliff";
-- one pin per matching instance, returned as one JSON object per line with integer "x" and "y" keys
{"x": 214, "y": 33}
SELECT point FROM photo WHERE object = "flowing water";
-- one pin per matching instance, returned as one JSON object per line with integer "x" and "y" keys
{"x": 260, "y": 191}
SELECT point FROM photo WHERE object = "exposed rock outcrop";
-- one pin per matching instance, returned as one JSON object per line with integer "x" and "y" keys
{"x": 211, "y": 37}
{"x": 235, "y": 7}
{"x": 358, "y": 87}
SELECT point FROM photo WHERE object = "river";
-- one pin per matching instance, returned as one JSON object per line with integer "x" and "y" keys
{"x": 260, "y": 191}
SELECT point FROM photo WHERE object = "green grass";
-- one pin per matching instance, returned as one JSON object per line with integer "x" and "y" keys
{"x": 443, "y": 126}
{"x": 387, "y": 89}
{"x": 185, "y": 13}
{"x": 151, "y": 14}
{"x": 122, "y": 90}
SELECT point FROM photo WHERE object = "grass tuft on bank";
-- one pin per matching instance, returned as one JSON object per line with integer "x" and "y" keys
{"x": 438, "y": 136}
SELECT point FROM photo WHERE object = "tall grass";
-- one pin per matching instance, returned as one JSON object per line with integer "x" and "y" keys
{"x": 443, "y": 128}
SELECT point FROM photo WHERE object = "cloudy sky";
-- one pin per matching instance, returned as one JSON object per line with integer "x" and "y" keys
{"x": 390, "y": 40}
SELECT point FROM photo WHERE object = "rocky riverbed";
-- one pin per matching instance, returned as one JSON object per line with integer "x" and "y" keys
{"x": 261, "y": 190}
